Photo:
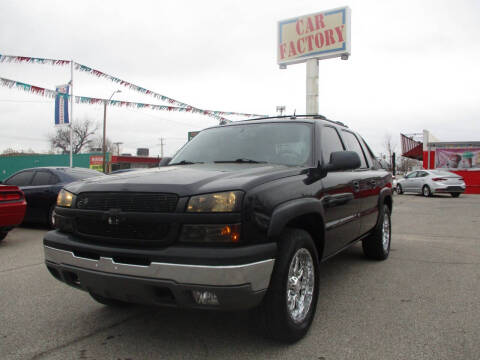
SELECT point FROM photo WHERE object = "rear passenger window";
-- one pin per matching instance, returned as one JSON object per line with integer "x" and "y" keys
{"x": 330, "y": 143}
{"x": 21, "y": 179}
{"x": 43, "y": 178}
{"x": 354, "y": 145}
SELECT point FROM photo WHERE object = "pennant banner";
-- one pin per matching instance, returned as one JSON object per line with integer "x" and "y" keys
{"x": 100, "y": 74}
{"x": 32, "y": 60}
{"x": 118, "y": 103}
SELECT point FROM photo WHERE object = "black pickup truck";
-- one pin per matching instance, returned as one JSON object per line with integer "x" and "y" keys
{"x": 239, "y": 219}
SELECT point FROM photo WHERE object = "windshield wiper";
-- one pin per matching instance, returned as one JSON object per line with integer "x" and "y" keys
{"x": 186, "y": 162}
{"x": 240, "y": 161}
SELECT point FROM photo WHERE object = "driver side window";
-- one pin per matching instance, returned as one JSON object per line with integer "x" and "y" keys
{"x": 330, "y": 142}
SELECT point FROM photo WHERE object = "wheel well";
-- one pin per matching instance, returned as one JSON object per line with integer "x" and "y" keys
{"x": 313, "y": 224}
{"x": 388, "y": 202}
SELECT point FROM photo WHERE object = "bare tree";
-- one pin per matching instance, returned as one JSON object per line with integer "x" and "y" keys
{"x": 82, "y": 136}
{"x": 97, "y": 143}
{"x": 12, "y": 152}
{"x": 390, "y": 146}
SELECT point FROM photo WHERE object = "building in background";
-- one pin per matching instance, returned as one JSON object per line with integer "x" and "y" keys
{"x": 460, "y": 157}
{"x": 10, "y": 164}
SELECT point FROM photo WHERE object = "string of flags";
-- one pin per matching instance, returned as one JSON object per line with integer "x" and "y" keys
{"x": 48, "y": 93}
{"x": 100, "y": 74}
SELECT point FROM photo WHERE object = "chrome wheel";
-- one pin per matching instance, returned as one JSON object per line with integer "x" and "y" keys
{"x": 426, "y": 191}
{"x": 386, "y": 232}
{"x": 300, "y": 286}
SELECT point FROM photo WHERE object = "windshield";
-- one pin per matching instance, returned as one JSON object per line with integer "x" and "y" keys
{"x": 276, "y": 143}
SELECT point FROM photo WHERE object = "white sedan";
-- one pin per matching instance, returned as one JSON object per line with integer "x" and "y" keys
{"x": 429, "y": 182}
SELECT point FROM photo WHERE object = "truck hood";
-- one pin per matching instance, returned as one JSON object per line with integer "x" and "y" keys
{"x": 186, "y": 180}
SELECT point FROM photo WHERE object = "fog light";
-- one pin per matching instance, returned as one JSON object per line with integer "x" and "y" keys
{"x": 205, "y": 297}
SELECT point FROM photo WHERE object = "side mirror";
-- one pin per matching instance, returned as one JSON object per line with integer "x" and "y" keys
{"x": 343, "y": 160}
{"x": 165, "y": 160}
{"x": 339, "y": 160}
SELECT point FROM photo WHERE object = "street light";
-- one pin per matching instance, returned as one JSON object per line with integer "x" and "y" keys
{"x": 104, "y": 147}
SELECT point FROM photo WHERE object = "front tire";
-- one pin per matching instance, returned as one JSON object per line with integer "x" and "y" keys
{"x": 455, "y": 195}
{"x": 426, "y": 191}
{"x": 399, "y": 189}
{"x": 289, "y": 306}
{"x": 3, "y": 235}
{"x": 377, "y": 245}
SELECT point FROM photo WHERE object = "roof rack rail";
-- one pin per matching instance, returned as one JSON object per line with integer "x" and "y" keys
{"x": 293, "y": 117}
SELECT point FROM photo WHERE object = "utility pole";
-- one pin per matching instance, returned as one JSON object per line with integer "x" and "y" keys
{"x": 162, "y": 144}
{"x": 71, "y": 113}
{"x": 118, "y": 147}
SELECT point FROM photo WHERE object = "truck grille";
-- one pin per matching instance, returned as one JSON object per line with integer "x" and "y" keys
{"x": 123, "y": 232}
{"x": 127, "y": 201}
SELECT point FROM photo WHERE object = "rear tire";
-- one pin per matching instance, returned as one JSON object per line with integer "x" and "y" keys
{"x": 455, "y": 195}
{"x": 3, "y": 234}
{"x": 108, "y": 301}
{"x": 426, "y": 191}
{"x": 288, "y": 309}
{"x": 377, "y": 245}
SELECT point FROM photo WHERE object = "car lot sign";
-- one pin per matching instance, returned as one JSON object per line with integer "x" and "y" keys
{"x": 96, "y": 162}
{"x": 321, "y": 35}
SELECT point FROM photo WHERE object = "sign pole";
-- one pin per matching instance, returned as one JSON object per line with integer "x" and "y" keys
{"x": 71, "y": 114}
{"x": 312, "y": 87}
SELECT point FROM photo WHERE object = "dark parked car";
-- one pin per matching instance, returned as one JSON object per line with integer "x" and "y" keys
{"x": 239, "y": 219}
{"x": 12, "y": 208}
{"x": 41, "y": 186}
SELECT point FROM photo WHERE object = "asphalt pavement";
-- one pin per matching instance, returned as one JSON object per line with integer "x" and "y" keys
{"x": 421, "y": 303}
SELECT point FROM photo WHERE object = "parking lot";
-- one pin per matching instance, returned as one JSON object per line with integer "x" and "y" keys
{"x": 422, "y": 303}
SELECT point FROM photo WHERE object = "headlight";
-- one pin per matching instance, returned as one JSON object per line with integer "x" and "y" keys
{"x": 65, "y": 198}
{"x": 229, "y": 201}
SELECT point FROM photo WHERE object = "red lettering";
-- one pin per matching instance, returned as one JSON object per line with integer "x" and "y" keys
{"x": 283, "y": 49}
{"x": 329, "y": 36}
{"x": 319, "y": 21}
{"x": 300, "y": 49}
{"x": 297, "y": 26}
{"x": 309, "y": 41}
{"x": 319, "y": 40}
{"x": 339, "y": 30}
{"x": 309, "y": 26}
{"x": 291, "y": 49}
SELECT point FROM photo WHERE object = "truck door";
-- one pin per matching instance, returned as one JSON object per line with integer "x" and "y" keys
{"x": 339, "y": 197}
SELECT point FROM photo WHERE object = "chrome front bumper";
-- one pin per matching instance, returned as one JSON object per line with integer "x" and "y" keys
{"x": 256, "y": 274}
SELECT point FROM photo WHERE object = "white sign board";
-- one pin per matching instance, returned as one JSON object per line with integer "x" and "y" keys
{"x": 320, "y": 35}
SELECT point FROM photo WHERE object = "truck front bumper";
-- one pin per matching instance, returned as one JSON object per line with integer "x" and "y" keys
{"x": 239, "y": 286}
